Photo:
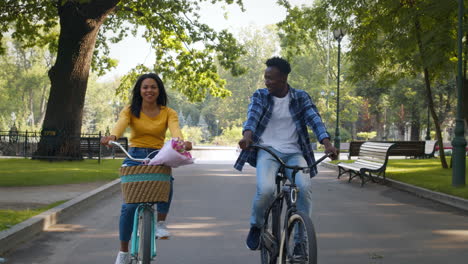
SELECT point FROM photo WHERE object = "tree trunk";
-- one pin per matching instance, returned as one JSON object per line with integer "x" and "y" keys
{"x": 429, "y": 95}
{"x": 42, "y": 108}
{"x": 415, "y": 124}
{"x": 79, "y": 26}
{"x": 379, "y": 126}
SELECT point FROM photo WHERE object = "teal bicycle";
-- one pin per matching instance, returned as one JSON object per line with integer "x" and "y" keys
{"x": 143, "y": 243}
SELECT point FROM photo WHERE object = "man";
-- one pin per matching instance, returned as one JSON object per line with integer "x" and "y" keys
{"x": 278, "y": 117}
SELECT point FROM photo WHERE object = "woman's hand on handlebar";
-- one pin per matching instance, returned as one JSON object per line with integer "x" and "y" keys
{"x": 105, "y": 140}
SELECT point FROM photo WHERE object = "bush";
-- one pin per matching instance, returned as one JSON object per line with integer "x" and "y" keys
{"x": 229, "y": 137}
{"x": 345, "y": 135}
{"x": 192, "y": 134}
{"x": 367, "y": 135}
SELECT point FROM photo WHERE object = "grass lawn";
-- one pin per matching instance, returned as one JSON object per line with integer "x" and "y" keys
{"x": 425, "y": 173}
{"x": 9, "y": 218}
{"x": 26, "y": 172}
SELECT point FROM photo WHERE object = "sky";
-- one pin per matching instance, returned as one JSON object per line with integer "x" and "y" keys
{"x": 135, "y": 50}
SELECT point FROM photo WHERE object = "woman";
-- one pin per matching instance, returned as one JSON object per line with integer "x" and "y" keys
{"x": 148, "y": 118}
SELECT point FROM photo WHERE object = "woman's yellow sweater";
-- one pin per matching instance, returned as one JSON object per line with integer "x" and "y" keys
{"x": 148, "y": 132}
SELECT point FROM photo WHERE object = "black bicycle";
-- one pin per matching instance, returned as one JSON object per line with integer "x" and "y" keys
{"x": 297, "y": 242}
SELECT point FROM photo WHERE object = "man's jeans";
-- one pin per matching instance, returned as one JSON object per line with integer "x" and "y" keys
{"x": 267, "y": 167}
{"x": 128, "y": 210}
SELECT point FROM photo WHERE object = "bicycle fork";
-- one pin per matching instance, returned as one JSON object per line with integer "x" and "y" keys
{"x": 271, "y": 240}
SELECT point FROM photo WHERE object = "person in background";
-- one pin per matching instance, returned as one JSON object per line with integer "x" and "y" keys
{"x": 148, "y": 118}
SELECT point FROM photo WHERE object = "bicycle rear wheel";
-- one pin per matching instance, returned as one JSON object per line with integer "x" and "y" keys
{"x": 144, "y": 230}
{"x": 298, "y": 242}
{"x": 269, "y": 239}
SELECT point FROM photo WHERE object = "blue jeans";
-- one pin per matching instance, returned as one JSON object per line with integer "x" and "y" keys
{"x": 128, "y": 210}
{"x": 267, "y": 167}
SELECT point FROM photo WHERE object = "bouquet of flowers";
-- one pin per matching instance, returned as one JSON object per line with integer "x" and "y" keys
{"x": 172, "y": 154}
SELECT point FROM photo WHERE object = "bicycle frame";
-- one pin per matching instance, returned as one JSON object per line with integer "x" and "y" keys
{"x": 283, "y": 192}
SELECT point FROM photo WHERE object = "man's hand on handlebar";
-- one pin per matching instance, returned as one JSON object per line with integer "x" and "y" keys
{"x": 105, "y": 140}
{"x": 246, "y": 141}
{"x": 330, "y": 149}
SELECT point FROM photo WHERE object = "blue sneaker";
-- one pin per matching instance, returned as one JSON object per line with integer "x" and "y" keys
{"x": 253, "y": 239}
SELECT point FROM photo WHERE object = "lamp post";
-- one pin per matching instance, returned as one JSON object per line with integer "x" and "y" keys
{"x": 428, "y": 131}
{"x": 338, "y": 34}
{"x": 217, "y": 122}
{"x": 459, "y": 142}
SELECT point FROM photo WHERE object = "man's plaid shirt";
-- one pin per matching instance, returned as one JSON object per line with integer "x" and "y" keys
{"x": 303, "y": 112}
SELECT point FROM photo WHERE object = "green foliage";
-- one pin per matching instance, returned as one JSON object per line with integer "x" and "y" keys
{"x": 24, "y": 86}
{"x": 192, "y": 134}
{"x": 260, "y": 44}
{"x": 389, "y": 41}
{"x": 101, "y": 108}
{"x": 229, "y": 137}
{"x": 185, "y": 48}
{"x": 173, "y": 29}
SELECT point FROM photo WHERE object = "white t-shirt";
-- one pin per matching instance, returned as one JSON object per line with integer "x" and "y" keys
{"x": 280, "y": 132}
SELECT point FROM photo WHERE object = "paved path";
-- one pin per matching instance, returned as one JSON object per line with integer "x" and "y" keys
{"x": 209, "y": 220}
{"x": 20, "y": 198}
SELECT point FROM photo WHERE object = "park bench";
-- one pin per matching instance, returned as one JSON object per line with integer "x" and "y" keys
{"x": 371, "y": 162}
{"x": 91, "y": 147}
{"x": 430, "y": 148}
{"x": 414, "y": 149}
{"x": 354, "y": 148}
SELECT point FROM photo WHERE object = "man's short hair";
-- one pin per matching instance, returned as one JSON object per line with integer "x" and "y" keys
{"x": 281, "y": 64}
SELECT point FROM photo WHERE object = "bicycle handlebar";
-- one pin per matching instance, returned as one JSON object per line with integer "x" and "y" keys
{"x": 298, "y": 168}
{"x": 115, "y": 143}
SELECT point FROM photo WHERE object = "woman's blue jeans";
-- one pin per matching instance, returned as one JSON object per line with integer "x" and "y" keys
{"x": 128, "y": 210}
{"x": 267, "y": 168}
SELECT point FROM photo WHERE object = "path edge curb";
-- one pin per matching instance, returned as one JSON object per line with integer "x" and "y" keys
{"x": 439, "y": 197}
{"x": 26, "y": 230}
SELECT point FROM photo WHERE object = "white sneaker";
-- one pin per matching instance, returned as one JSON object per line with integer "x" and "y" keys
{"x": 123, "y": 258}
{"x": 161, "y": 231}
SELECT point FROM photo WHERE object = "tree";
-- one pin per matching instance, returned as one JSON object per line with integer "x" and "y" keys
{"x": 260, "y": 44}
{"x": 101, "y": 107}
{"x": 171, "y": 26}
{"x": 389, "y": 39}
{"x": 23, "y": 85}
{"x": 309, "y": 48}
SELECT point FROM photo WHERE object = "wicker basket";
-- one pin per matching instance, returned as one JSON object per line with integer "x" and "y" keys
{"x": 144, "y": 183}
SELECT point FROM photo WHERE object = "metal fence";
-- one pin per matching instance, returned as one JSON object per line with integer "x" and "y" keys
{"x": 24, "y": 144}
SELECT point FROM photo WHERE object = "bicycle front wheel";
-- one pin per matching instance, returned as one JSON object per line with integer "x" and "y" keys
{"x": 298, "y": 242}
{"x": 144, "y": 230}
